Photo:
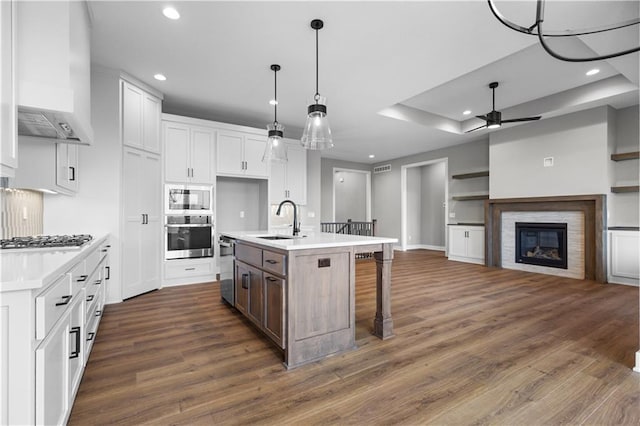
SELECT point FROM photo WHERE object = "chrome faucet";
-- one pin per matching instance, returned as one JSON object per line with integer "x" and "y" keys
{"x": 296, "y": 229}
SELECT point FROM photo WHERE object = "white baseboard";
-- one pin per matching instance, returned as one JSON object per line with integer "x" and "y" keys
{"x": 424, "y": 247}
{"x": 612, "y": 279}
{"x": 637, "y": 367}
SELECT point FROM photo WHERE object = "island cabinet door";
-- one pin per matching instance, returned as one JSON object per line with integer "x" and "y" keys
{"x": 274, "y": 308}
{"x": 242, "y": 287}
{"x": 249, "y": 292}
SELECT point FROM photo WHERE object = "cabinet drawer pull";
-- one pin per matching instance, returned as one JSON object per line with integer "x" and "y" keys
{"x": 82, "y": 278}
{"x": 91, "y": 336}
{"x": 65, "y": 300}
{"x": 271, "y": 261}
{"x": 76, "y": 352}
{"x": 90, "y": 297}
{"x": 99, "y": 313}
{"x": 245, "y": 281}
{"x": 98, "y": 282}
{"x": 272, "y": 279}
{"x": 104, "y": 250}
{"x": 189, "y": 269}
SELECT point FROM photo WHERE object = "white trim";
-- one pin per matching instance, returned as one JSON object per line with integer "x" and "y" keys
{"x": 403, "y": 197}
{"x": 424, "y": 247}
{"x": 367, "y": 191}
{"x": 637, "y": 367}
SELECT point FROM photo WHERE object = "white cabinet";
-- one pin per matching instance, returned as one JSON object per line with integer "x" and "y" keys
{"x": 624, "y": 252}
{"x": 240, "y": 154}
{"x": 48, "y": 165}
{"x": 189, "y": 153}
{"x": 8, "y": 138}
{"x": 67, "y": 166}
{"x": 141, "y": 113}
{"x": 289, "y": 180}
{"x": 466, "y": 243}
{"x": 141, "y": 245}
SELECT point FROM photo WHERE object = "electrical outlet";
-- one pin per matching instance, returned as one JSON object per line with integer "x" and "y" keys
{"x": 24, "y": 213}
{"x": 311, "y": 214}
{"x": 241, "y": 214}
{"x": 452, "y": 215}
{"x": 547, "y": 162}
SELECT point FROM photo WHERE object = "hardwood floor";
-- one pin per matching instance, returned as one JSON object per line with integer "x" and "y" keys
{"x": 473, "y": 345}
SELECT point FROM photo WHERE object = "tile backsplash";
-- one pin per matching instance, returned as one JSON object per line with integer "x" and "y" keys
{"x": 21, "y": 213}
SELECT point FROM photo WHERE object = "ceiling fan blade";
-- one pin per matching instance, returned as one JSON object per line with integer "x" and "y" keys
{"x": 515, "y": 120}
{"x": 477, "y": 128}
{"x": 482, "y": 117}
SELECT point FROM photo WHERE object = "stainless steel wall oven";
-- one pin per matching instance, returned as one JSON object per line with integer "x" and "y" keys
{"x": 189, "y": 236}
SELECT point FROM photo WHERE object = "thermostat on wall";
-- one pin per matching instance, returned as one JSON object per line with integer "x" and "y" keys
{"x": 548, "y": 162}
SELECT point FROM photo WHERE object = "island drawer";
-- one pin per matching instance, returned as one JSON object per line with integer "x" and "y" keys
{"x": 248, "y": 254}
{"x": 51, "y": 304}
{"x": 274, "y": 262}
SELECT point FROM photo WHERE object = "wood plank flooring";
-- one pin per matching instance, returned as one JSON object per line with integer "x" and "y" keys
{"x": 473, "y": 345}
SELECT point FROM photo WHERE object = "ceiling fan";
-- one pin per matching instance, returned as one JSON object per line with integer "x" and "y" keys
{"x": 494, "y": 118}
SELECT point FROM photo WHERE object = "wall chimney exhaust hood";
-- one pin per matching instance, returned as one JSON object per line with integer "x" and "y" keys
{"x": 54, "y": 71}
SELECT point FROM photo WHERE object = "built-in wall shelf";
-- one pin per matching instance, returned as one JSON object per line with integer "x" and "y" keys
{"x": 471, "y": 175}
{"x": 625, "y": 156}
{"x": 623, "y": 189}
{"x": 470, "y": 197}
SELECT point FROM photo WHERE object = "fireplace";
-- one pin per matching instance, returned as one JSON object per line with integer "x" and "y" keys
{"x": 542, "y": 244}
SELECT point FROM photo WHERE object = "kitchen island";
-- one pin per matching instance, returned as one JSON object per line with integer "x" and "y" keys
{"x": 301, "y": 291}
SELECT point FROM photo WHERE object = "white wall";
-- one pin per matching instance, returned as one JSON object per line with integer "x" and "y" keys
{"x": 96, "y": 207}
{"x": 578, "y": 144}
{"x": 624, "y": 208}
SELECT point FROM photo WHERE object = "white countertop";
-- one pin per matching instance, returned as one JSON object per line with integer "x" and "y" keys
{"x": 28, "y": 269}
{"x": 318, "y": 240}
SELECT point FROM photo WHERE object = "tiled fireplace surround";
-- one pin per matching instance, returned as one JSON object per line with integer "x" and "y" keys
{"x": 591, "y": 208}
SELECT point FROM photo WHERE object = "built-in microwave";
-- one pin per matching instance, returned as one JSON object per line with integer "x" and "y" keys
{"x": 188, "y": 200}
{"x": 188, "y": 237}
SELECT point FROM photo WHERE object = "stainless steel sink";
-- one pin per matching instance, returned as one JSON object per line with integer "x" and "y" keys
{"x": 276, "y": 237}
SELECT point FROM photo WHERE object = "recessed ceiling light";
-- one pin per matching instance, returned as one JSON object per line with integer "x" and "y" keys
{"x": 372, "y": 156}
{"x": 273, "y": 102}
{"x": 160, "y": 77}
{"x": 467, "y": 112}
{"x": 593, "y": 72}
{"x": 171, "y": 13}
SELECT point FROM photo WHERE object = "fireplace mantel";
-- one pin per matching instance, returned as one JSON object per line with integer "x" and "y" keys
{"x": 592, "y": 206}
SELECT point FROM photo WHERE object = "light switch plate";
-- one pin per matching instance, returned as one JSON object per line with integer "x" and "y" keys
{"x": 548, "y": 162}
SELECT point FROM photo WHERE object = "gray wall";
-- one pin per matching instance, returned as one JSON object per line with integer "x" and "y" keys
{"x": 350, "y": 196}
{"x": 578, "y": 144}
{"x": 235, "y": 195}
{"x": 469, "y": 157}
{"x": 432, "y": 211}
{"x": 327, "y": 166}
{"x": 623, "y": 208}
{"x": 414, "y": 206}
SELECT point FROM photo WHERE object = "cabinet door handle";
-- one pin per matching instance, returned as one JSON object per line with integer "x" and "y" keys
{"x": 189, "y": 269}
{"x": 108, "y": 268}
{"x": 271, "y": 261}
{"x": 82, "y": 278}
{"x": 271, "y": 279}
{"x": 76, "y": 352}
{"x": 90, "y": 297}
{"x": 245, "y": 281}
{"x": 65, "y": 300}
{"x": 91, "y": 336}
{"x": 143, "y": 218}
{"x": 99, "y": 312}
{"x": 73, "y": 173}
{"x": 97, "y": 282}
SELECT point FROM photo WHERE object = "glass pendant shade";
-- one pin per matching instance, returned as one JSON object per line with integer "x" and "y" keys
{"x": 276, "y": 149}
{"x": 317, "y": 134}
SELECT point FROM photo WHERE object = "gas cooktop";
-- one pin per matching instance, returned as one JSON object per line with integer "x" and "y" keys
{"x": 46, "y": 241}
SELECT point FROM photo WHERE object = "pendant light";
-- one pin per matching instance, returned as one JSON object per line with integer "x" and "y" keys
{"x": 317, "y": 134}
{"x": 275, "y": 149}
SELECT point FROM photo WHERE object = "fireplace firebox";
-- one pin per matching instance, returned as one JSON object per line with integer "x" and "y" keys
{"x": 542, "y": 244}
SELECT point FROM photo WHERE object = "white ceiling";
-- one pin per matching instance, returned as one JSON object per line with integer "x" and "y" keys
{"x": 397, "y": 75}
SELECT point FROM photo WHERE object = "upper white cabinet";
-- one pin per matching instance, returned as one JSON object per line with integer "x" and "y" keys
{"x": 240, "y": 154}
{"x": 466, "y": 243}
{"x": 189, "y": 153}
{"x": 48, "y": 165}
{"x": 141, "y": 112}
{"x": 8, "y": 138}
{"x": 67, "y": 166}
{"x": 289, "y": 180}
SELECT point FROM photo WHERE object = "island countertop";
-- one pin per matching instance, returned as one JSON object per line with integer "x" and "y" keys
{"x": 318, "y": 240}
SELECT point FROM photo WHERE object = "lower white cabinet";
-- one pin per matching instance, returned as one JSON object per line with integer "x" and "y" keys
{"x": 44, "y": 344}
{"x": 189, "y": 271}
{"x": 466, "y": 243}
{"x": 624, "y": 252}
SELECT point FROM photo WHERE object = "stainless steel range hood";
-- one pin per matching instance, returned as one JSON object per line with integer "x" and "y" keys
{"x": 53, "y": 63}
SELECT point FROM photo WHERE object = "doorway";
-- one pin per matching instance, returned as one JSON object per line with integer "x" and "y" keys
{"x": 351, "y": 195}
{"x": 424, "y": 195}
